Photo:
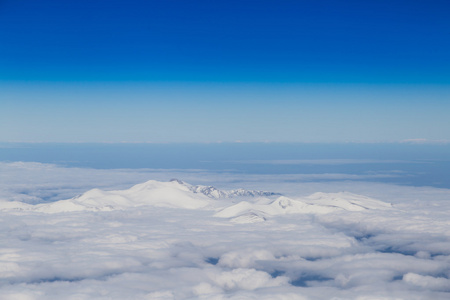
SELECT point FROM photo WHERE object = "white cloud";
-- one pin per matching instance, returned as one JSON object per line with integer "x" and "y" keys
{"x": 424, "y": 141}
{"x": 428, "y": 282}
{"x": 154, "y": 252}
{"x": 324, "y": 161}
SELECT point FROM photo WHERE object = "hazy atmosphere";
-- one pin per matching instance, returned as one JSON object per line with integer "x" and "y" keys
{"x": 224, "y": 150}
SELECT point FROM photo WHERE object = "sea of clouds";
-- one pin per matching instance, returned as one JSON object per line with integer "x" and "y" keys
{"x": 153, "y": 252}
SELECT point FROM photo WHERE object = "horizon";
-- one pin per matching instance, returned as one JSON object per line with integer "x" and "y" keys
{"x": 412, "y": 164}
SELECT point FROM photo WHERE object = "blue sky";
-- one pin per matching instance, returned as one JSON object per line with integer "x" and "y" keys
{"x": 208, "y": 71}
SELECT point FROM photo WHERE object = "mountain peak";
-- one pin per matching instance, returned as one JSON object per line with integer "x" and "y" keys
{"x": 177, "y": 181}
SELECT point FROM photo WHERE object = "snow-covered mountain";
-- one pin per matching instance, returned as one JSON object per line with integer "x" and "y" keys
{"x": 247, "y": 206}
{"x": 317, "y": 203}
{"x": 175, "y": 194}
{"x": 347, "y": 201}
{"x": 214, "y": 193}
{"x": 153, "y": 193}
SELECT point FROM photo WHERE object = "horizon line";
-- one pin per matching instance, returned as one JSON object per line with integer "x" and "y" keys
{"x": 416, "y": 141}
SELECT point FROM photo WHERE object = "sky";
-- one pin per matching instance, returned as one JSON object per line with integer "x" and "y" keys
{"x": 224, "y": 71}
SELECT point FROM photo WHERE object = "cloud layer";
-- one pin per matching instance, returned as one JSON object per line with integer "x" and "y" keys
{"x": 155, "y": 252}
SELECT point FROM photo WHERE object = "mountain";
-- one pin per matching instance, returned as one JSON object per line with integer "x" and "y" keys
{"x": 347, "y": 201}
{"x": 214, "y": 193}
{"x": 252, "y": 205}
{"x": 174, "y": 194}
{"x": 317, "y": 203}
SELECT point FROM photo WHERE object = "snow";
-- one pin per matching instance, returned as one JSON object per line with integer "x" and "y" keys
{"x": 347, "y": 201}
{"x": 154, "y": 193}
{"x": 174, "y": 194}
{"x": 178, "y": 194}
{"x": 317, "y": 203}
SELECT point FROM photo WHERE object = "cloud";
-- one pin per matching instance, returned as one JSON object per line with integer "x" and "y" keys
{"x": 324, "y": 161}
{"x": 424, "y": 141}
{"x": 428, "y": 282}
{"x": 154, "y": 252}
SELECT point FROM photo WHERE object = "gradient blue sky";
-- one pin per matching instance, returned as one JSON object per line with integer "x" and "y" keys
{"x": 207, "y": 71}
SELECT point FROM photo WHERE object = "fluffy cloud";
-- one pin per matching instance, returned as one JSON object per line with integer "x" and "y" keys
{"x": 159, "y": 252}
